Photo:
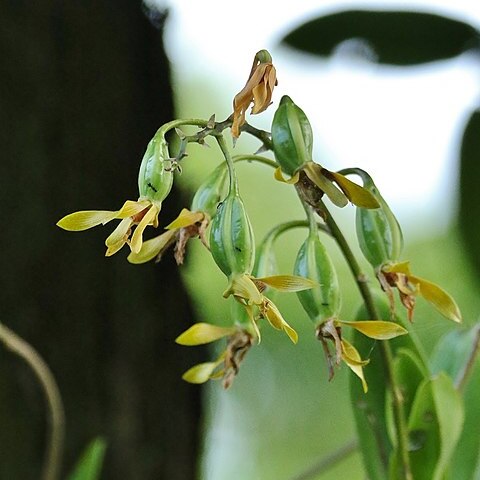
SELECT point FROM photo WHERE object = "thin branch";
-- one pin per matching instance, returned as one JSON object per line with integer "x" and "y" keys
{"x": 55, "y": 438}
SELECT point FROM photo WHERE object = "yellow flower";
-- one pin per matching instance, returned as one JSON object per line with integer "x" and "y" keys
{"x": 409, "y": 286}
{"x": 248, "y": 291}
{"x": 313, "y": 181}
{"x": 187, "y": 225}
{"x": 258, "y": 89}
{"x": 227, "y": 364}
{"x": 141, "y": 213}
{"x": 332, "y": 330}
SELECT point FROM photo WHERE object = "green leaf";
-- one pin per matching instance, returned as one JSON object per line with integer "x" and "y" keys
{"x": 90, "y": 464}
{"x": 434, "y": 426}
{"x": 451, "y": 355}
{"x": 369, "y": 410}
{"x": 396, "y": 37}
{"x": 409, "y": 373}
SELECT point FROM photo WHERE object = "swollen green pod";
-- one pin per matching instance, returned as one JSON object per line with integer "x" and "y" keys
{"x": 378, "y": 231}
{"x": 323, "y": 301}
{"x": 231, "y": 237}
{"x": 208, "y": 195}
{"x": 155, "y": 177}
{"x": 292, "y": 136}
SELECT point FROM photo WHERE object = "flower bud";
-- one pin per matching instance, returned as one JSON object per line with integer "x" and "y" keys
{"x": 292, "y": 136}
{"x": 322, "y": 302}
{"x": 231, "y": 237}
{"x": 210, "y": 192}
{"x": 378, "y": 231}
{"x": 155, "y": 177}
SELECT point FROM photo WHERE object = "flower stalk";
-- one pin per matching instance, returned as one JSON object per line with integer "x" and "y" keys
{"x": 365, "y": 292}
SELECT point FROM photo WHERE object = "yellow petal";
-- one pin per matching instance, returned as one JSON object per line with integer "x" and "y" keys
{"x": 273, "y": 315}
{"x": 200, "y": 373}
{"x": 151, "y": 248}
{"x": 149, "y": 218}
{"x": 131, "y": 208}
{"x": 86, "y": 219}
{"x": 288, "y": 283}
{"x": 314, "y": 173}
{"x": 185, "y": 219}
{"x": 119, "y": 235}
{"x": 400, "y": 267}
{"x": 242, "y": 286}
{"x": 352, "y": 358}
{"x": 202, "y": 333}
{"x": 378, "y": 329}
{"x": 279, "y": 176}
{"x": 438, "y": 297}
{"x": 358, "y": 195}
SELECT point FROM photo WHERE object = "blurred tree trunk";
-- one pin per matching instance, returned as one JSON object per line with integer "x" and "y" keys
{"x": 84, "y": 86}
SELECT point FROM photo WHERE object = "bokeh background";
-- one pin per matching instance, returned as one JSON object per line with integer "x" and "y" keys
{"x": 84, "y": 88}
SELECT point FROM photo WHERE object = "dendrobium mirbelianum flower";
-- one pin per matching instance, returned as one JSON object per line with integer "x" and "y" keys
{"x": 397, "y": 275}
{"x": 233, "y": 249}
{"x": 381, "y": 241}
{"x": 218, "y": 217}
{"x": 292, "y": 139}
{"x": 155, "y": 181}
{"x": 258, "y": 89}
{"x": 322, "y": 304}
{"x": 189, "y": 223}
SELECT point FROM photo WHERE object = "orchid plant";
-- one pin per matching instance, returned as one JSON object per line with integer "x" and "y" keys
{"x": 218, "y": 217}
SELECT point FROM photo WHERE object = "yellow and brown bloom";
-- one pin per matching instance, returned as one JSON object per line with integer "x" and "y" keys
{"x": 409, "y": 286}
{"x": 187, "y": 225}
{"x": 139, "y": 214}
{"x": 258, "y": 89}
{"x": 240, "y": 338}
{"x": 331, "y": 330}
{"x": 248, "y": 291}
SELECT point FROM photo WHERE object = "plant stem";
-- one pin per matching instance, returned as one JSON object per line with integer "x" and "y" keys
{"x": 55, "y": 440}
{"x": 230, "y": 166}
{"x": 255, "y": 158}
{"x": 362, "y": 283}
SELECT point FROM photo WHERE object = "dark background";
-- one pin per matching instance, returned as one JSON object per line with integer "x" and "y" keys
{"x": 84, "y": 86}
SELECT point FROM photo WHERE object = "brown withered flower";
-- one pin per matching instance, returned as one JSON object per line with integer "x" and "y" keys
{"x": 258, "y": 89}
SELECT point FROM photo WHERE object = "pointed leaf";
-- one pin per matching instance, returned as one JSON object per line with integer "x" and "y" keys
{"x": 288, "y": 283}
{"x": 358, "y": 195}
{"x": 90, "y": 464}
{"x": 202, "y": 333}
{"x": 438, "y": 297}
{"x": 378, "y": 329}
{"x": 452, "y": 354}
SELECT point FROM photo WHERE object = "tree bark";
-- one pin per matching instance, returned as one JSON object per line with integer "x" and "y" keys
{"x": 84, "y": 86}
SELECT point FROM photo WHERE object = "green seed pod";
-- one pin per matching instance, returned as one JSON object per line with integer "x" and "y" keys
{"x": 378, "y": 231}
{"x": 323, "y": 301}
{"x": 231, "y": 237}
{"x": 210, "y": 192}
{"x": 292, "y": 136}
{"x": 155, "y": 177}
